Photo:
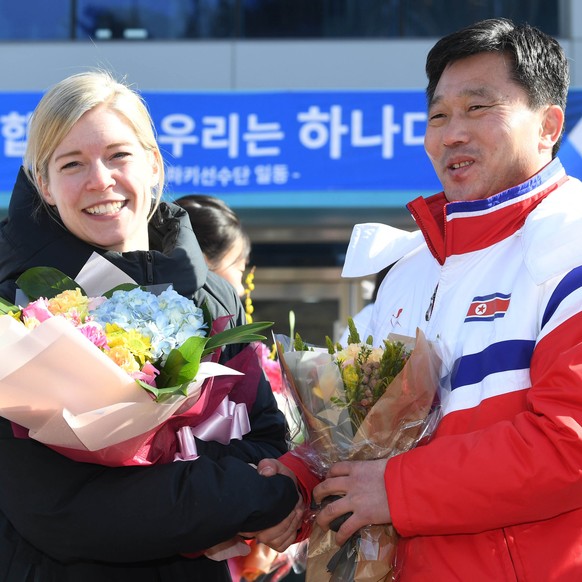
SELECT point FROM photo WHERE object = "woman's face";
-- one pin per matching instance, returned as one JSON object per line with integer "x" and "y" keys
{"x": 233, "y": 265}
{"x": 100, "y": 180}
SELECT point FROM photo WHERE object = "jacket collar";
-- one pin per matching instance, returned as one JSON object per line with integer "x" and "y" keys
{"x": 454, "y": 228}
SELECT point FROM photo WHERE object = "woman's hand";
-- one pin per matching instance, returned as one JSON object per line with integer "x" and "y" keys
{"x": 280, "y": 536}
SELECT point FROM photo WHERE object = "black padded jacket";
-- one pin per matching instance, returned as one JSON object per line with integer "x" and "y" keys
{"x": 66, "y": 521}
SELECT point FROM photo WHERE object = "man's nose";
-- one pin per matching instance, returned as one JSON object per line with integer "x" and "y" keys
{"x": 455, "y": 131}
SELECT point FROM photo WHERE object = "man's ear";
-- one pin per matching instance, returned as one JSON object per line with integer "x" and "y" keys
{"x": 551, "y": 128}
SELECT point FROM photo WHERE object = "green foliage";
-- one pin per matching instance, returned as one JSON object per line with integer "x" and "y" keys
{"x": 122, "y": 287}
{"x": 353, "y": 335}
{"x": 46, "y": 282}
{"x": 300, "y": 346}
{"x": 6, "y": 308}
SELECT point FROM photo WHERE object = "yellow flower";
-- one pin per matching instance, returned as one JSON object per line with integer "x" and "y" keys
{"x": 137, "y": 344}
{"x": 250, "y": 286}
{"x": 69, "y": 301}
{"x": 123, "y": 358}
{"x": 16, "y": 315}
{"x": 350, "y": 378}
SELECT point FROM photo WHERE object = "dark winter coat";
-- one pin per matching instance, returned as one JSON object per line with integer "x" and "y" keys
{"x": 65, "y": 521}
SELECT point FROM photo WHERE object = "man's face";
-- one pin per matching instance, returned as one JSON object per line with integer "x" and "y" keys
{"x": 482, "y": 137}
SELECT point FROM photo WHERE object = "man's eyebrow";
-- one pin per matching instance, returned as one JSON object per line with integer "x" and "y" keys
{"x": 470, "y": 92}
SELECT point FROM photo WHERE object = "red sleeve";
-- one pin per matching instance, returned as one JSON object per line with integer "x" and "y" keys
{"x": 527, "y": 456}
{"x": 306, "y": 481}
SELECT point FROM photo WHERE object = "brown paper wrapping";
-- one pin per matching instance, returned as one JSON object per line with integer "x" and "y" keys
{"x": 403, "y": 416}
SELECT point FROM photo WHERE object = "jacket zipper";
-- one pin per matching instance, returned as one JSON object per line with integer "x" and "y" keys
{"x": 428, "y": 313}
{"x": 149, "y": 267}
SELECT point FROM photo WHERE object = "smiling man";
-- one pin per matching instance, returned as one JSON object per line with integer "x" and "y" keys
{"x": 497, "y": 493}
{"x": 496, "y": 282}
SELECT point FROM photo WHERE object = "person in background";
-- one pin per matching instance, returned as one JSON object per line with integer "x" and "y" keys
{"x": 224, "y": 242}
{"x": 91, "y": 183}
{"x": 226, "y": 246}
{"x": 497, "y": 283}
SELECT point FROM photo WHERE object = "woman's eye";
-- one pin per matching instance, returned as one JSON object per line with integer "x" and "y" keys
{"x": 69, "y": 165}
{"x": 120, "y": 155}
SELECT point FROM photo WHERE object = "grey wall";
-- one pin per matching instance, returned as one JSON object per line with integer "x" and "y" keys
{"x": 241, "y": 65}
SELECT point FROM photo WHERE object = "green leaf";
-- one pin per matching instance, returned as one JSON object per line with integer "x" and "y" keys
{"x": 206, "y": 314}
{"x": 45, "y": 282}
{"x": 183, "y": 363}
{"x": 122, "y": 287}
{"x": 6, "y": 307}
{"x": 163, "y": 394}
{"x": 237, "y": 335}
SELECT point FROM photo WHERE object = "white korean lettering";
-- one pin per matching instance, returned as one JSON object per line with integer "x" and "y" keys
{"x": 14, "y": 132}
{"x": 410, "y": 120}
{"x": 177, "y": 129}
{"x": 314, "y": 134}
{"x": 261, "y": 132}
{"x": 220, "y": 133}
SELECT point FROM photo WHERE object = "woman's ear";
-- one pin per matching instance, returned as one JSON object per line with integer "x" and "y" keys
{"x": 45, "y": 191}
{"x": 552, "y": 124}
{"x": 155, "y": 169}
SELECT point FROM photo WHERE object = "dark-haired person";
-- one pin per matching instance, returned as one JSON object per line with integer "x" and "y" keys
{"x": 497, "y": 281}
{"x": 224, "y": 242}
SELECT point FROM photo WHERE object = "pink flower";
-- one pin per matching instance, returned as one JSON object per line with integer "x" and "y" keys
{"x": 37, "y": 310}
{"x": 94, "y": 333}
{"x": 147, "y": 374}
{"x": 271, "y": 368}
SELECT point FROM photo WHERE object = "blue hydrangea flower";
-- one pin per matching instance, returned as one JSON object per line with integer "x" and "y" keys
{"x": 167, "y": 319}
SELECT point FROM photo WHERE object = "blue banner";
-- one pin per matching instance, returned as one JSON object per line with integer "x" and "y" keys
{"x": 295, "y": 148}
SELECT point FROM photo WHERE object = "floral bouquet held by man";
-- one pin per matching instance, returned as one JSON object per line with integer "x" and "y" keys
{"x": 360, "y": 403}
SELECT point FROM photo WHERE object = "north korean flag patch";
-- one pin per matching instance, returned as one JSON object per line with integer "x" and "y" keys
{"x": 488, "y": 307}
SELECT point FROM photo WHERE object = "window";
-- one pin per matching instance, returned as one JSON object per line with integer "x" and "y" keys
{"x": 36, "y": 20}
{"x": 102, "y": 20}
{"x": 153, "y": 19}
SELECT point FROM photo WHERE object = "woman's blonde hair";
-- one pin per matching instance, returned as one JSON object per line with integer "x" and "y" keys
{"x": 64, "y": 104}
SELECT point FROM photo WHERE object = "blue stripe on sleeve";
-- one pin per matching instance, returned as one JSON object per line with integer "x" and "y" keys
{"x": 499, "y": 357}
{"x": 570, "y": 283}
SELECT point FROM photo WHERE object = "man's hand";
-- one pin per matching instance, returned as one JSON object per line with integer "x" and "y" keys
{"x": 363, "y": 493}
{"x": 282, "y": 535}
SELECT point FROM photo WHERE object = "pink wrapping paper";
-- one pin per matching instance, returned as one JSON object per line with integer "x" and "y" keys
{"x": 72, "y": 397}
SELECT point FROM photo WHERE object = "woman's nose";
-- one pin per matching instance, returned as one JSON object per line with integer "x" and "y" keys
{"x": 100, "y": 177}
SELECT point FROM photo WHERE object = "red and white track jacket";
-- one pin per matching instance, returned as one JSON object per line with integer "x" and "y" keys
{"x": 497, "y": 494}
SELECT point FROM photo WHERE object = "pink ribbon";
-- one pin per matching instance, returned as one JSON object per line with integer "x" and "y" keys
{"x": 229, "y": 421}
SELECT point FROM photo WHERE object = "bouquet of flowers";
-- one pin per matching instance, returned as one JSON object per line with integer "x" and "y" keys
{"x": 360, "y": 402}
{"x": 129, "y": 377}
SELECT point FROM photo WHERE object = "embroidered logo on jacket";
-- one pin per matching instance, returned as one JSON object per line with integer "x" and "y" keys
{"x": 488, "y": 307}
